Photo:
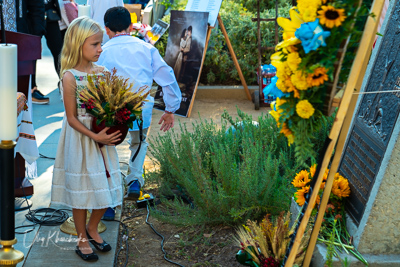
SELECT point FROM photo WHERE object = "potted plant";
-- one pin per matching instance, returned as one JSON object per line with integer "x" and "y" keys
{"x": 112, "y": 102}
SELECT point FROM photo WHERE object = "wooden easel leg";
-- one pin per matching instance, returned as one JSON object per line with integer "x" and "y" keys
{"x": 201, "y": 68}
{"x": 232, "y": 52}
{"x": 340, "y": 127}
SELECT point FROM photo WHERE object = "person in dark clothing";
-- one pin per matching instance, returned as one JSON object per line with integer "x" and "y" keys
{"x": 31, "y": 19}
{"x": 54, "y": 42}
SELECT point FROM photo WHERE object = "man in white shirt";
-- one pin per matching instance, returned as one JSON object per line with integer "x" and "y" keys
{"x": 141, "y": 63}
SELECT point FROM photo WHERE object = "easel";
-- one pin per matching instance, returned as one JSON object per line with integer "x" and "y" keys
{"x": 337, "y": 136}
{"x": 233, "y": 55}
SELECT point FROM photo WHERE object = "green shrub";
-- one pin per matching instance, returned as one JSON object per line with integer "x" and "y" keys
{"x": 218, "y": 66}
{"x": 251, "y": 5}
{"x": 229, "y": 174}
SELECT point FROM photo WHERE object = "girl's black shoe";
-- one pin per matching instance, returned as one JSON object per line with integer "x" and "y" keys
{"x": 103, "y": 247}
{"x": 86, "y": 257}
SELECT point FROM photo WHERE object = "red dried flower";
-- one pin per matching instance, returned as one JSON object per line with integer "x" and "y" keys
{"x": 269, "y": 262}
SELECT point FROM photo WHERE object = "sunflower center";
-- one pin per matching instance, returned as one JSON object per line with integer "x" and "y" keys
{"x": 331, "y": 14}
{"x": 317, "y": 76}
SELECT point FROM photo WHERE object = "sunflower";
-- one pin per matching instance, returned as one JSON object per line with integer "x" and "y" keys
{"x": 322, "y": 185}
{"x": 304, "y": 109}
{"x": 300, "y": 195}
{"x": 318, "y": 200}
{"x": 331, "y": 17}
{"x": 313, "y": 168}
{"x": 341, "y": 187}
{"x": 318, "y": 77}
{"x": 301, "y": 179}
{"x": 326, "y": 174}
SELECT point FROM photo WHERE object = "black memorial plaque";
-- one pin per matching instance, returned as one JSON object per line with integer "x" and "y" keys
{"x": 374, "y": 120}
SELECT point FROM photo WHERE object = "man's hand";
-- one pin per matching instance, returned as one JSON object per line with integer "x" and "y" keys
{"x": 167, "y": 120}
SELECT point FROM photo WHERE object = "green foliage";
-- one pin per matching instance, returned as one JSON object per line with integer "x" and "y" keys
{"x": 227, "y": 174}
{"x": 218, "y": 66}
{"x": 242, "y": 33}
{"x": 251, "y": 5}
{"x": 330, "y": 246}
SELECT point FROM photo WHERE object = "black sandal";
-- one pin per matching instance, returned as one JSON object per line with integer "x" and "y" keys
{"x": 86, "y": 257}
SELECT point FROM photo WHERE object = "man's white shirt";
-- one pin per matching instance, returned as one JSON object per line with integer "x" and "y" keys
{"x": 141, "y": 63}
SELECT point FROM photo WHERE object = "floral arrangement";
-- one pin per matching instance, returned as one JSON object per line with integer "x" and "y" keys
{"x": 302, "y": 180}
{"x": 333, "y": 230}
{"x": 110, "y": 99}
{"x": 265, "y": 244}
{"x": 307, "y": 66}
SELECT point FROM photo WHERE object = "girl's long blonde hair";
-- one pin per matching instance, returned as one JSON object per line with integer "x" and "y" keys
{"x": 78, "y": 31}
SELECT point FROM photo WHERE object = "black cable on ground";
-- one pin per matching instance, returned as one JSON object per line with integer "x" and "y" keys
{"x": 126, "y": 241}
{"x": 162, "y": 241}
{"x": 44, "y": 216}
{"x": 47, "y": 216}
{"x": 45, "y": 157}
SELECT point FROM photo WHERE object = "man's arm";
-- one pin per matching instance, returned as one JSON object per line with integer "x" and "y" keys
{"x": 35, "y": 16}
{"x": 164, "y": 76}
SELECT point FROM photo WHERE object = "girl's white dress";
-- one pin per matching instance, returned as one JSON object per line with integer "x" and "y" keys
{"x": 79, "y": 176}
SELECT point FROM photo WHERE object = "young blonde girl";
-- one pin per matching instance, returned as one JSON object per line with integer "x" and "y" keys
{"x": 81, "y": 168}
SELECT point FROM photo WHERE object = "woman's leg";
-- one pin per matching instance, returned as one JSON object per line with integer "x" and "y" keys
{"x": 54, "y": 42}
{"x": 93, "y": 224}
{"x": 80, "y": 226}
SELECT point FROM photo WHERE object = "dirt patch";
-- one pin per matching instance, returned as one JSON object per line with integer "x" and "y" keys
{"x": 188, "y": 246}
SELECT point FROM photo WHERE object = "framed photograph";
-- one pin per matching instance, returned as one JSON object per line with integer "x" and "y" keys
{"x": 184, "y": 54}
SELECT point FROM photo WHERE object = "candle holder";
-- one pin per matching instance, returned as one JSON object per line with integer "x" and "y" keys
{"x": 8, "y": 255}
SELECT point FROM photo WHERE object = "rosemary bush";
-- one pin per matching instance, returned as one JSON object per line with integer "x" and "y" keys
{"x": 229, "y": 175}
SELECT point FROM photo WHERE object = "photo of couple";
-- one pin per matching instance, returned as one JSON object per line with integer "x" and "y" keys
{"x": 185, "y": 44}
{"x": 184, "y": 53}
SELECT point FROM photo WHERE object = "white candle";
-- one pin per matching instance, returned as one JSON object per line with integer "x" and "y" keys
{"x": 84, "y": 10}
{"x": 8, "y": 91}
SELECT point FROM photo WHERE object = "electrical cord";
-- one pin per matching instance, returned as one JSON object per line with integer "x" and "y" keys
{"x": 45, "y": 157}
{"x": 57, "y": 217}
{"x": 125, "y": 232}
{"x": 160, "y": 235}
